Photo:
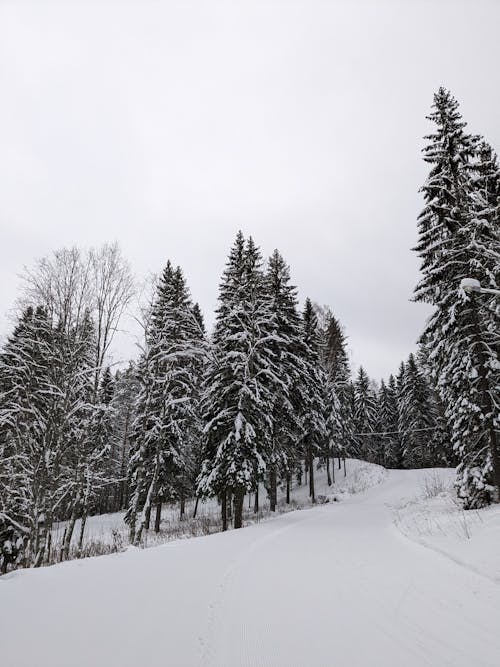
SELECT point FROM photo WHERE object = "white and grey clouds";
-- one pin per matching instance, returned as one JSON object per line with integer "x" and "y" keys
{"x": 169, "y": 125}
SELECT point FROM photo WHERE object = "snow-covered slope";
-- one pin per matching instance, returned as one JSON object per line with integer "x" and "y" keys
{"x": 106, "y": 529}
{"x": 337, "y": 585}
{"x": 435, "y": 519}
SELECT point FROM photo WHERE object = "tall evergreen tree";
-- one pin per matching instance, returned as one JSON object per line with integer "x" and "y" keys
{"x": 459, "y": 238}
{"x": 240, "y": 383}
{"x": 313, "y": 408}
{"x": 388, "y": 424}
{"x": 337, "y": 366}
{"x": 365, "y": 416}
{"x": 45, "y": 418}
{"x": 287, "y": 347}
{"x": 166, "y": 406}
{"x": 416, "y": 418}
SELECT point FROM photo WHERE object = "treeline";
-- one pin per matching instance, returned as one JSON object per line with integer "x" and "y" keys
{"x": 400, "y": 423}
{"x": 263, "y": 398}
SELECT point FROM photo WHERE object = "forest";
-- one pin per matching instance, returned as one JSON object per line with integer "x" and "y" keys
{"x": 261, "y": 400}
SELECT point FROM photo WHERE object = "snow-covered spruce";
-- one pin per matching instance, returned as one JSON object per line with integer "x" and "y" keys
{"x": 242, "y": 383}
{"x": 459, "y": 238}
{"x": 165, "y": 432}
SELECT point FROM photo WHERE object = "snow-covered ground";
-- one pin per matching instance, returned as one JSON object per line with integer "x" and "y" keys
{"x": 107, "y": 529}
{"x": 351, "y": 583}
{"x": 435, "y": 519}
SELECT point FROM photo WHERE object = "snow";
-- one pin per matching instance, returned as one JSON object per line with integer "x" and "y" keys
{"x": 437, "y": 521}
{"x": 109, "y": 528}
{"x": 470, "y": 285}
{"x": 338, "y": 584}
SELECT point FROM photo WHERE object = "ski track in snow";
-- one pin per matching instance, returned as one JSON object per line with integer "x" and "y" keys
{"x": 216, "y": 617}
{"x": 335, "y": 585}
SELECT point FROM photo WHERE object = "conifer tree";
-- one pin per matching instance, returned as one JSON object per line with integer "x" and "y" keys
{"x": 240, "y": 383}
{"x": 458, "y": 239}
{"x": 337, "y": 366}
{"x": 416, "y": 417}
{"x": 166, "y": 405}
{"x": 45, "y": 418}
{"x": 365, "y": 416}
{"x": 313, "y": 411}
{"x": 286, "y": 347}
{"x": 388, "y": 424}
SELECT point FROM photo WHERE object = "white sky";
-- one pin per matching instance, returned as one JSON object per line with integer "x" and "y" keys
{"x": 169, "y": 125}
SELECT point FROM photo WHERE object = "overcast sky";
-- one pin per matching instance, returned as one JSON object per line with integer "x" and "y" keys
{"x": 169, "y": 125}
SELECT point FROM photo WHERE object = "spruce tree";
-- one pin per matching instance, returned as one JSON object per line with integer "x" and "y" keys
{"x": 458, "y": 239}
{"x": 340, "y": 415}
{"x": 365, "y": 416}
{"x": 240, "y": 383}
{"x": 286, "y": 347}
{"x": 388, "y": 424}
{"x": 45, "y": 417}
{"x": 313, "y": 411}
{"x": 416, "y": 418}
{"x": 166, "y": 403}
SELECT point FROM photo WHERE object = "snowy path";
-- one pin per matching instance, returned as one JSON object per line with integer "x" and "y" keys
{"x": 338, "y": 584}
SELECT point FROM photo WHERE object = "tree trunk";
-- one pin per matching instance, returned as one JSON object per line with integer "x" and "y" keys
{"x": 68, "y": 533}
{"x": 147, "y": 517}
{"x": 311, "y": 472}
{"x": 229, "y": 505}
{"x": 256, "y": 499}
{"x": 333, "y": 468}
{"x": 158, "y": 517}
{"x": 49, "y": 547}
{"x": 288, "y": 488}
{"x": 83, "y": 521}
{"x": 223, "y": 502}
{"x": 183, "y": 508}
{"x": 123, "y": 467}
{"x": 345, "y": 471}
{"x": 195, "y": 507}
{"x": 61, "y": 552}
{"x": 239, "y": 496}
{"x": 273, "y": 489}
{"x": 146, "y": 511}
{"x": 340, "y": 463}
{"x": 328, "y": 476}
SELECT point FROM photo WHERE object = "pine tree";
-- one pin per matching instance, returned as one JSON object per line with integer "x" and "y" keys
{"x": 388, "y": 424}
{"x": 416, "y": 417}
{"x": 86, "y": 456}
{"x": 365, "y": 416}
{"x": 14, "y": 402}
{"x": 313, "y": 411}
{"x": 45, "y": 414}
{"x": 450, "y": 151}
{"x": 459, "y": 238}
{"x": 286, "y": 347}
{"x": 166, "y": 405}
{"x": 240, "y": 383}
{"x": 340, "y": 415}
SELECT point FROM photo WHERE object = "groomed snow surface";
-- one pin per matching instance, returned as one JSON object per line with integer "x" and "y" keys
{"x": 395, "y": 575}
